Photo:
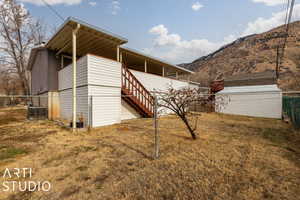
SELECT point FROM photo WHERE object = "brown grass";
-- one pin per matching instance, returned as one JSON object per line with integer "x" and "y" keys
{"x": 234, "y": 158}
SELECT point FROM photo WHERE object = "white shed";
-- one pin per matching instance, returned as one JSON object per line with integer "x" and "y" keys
{"x": 256, "y": 101}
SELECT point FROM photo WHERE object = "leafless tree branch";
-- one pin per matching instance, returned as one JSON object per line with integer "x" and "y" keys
{"x": 19, "y": 32}
{"x": 180, "y": 101}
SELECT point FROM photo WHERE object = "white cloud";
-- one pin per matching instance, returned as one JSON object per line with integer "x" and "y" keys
{"x": 264, "y": 24}
{"x": 93, "y": 3}
{"x": 270, "y": 2}
{"x": 196, "y": 6}
{"x": 229, "y": 38}
{"x": 116, "y": 7}
{"x": 52, "y": 2}
{"x": 172, "y": 48}
{"x": 164, "y": 39}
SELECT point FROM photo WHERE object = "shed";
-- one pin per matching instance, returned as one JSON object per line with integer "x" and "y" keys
{"x": 256, "y": 96}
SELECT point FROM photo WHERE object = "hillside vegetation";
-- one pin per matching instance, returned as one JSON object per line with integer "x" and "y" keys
{"x": 254, "y": 53}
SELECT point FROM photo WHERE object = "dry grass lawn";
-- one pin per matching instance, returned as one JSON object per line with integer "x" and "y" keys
{"x": 234, "y": 158}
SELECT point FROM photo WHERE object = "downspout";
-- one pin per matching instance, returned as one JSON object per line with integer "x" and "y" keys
{"x": 74, "y": 34}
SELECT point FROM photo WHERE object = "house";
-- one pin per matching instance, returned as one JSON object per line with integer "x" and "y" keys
{"x": 255, "y": 95}
{"x": 104, "y": 69}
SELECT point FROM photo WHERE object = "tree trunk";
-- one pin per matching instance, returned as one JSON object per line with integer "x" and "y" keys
{"x": 192, "y": 132}
{"x": 24, "y": 84}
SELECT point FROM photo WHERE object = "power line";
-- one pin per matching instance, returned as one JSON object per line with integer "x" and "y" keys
{"x": 287, "y": 3}
{"x": 54, "y": 11}
{"x": 281, "y": 47}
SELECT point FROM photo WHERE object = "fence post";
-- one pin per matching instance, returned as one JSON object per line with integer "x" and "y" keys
{"x": 91, "y": 112}
{"x": 156, "y": 128}
{"x": 39, "y": 100}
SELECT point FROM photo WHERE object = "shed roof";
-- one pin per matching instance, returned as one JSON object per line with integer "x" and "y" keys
{"x": 258, "y": 78}
{"x": 250, "y": 89}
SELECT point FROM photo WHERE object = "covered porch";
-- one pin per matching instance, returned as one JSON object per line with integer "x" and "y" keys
{"x": 76, "y": 38}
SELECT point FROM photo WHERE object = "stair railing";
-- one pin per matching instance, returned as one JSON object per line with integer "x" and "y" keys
{"x": 136, "y": 91}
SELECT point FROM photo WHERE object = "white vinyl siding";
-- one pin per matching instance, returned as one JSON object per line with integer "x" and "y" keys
{"x": 65, "y": 75}
{"x": 161, "y": 84}
{"x": 127, "y": 112}
{"x": 104, "y": 79}
{"x": 65, "y": 98}
{"x": 194, "y": 86}
{"x": 104, "y": 72}
{"x": 154, "y": 82}
{"x": 98, "y": 77}
{"x": 106, "y": 105}
{"x": 256, "y": 101}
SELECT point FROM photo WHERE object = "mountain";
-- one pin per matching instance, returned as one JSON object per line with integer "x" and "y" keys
{"x": 250, "y": 54}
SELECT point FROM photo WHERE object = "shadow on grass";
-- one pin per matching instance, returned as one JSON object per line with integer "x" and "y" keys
{"x": 136, "y": 150}
{"x": 27, "y": 195}
{"x": 286, "y": 138}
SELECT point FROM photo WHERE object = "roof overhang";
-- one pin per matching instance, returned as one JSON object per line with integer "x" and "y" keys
{"x": 90, "y": 39}
{"x": 140, "y": 55}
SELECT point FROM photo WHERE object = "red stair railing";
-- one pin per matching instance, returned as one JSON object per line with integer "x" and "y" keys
{"x": 136, "y": 92}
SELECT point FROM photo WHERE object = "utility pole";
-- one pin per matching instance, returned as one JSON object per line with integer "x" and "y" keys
{"x": 280, "y": 50}
{"x": 290, "y": 14}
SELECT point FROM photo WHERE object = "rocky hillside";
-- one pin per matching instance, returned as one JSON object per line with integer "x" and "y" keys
{"x": 250, "y": 54}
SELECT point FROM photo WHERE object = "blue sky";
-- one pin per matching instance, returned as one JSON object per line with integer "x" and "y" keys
{"x": 174, "y": 30}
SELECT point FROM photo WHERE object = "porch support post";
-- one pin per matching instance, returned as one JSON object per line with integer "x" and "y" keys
{"x": 61, "y": 62}
{"x": 189, "y": 78}
{"x": 74, "y": 38}
{"x": 121, "y": 57}
{"x": 146, "y": 70}
{"x": 118, "y": 53}
{"x": 176, "y": 75}
{"x": 163, "y": 71}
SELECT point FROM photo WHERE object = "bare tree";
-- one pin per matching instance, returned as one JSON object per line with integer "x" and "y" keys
{"x": 180, "y": 102}
{"x": 18, "y": 34}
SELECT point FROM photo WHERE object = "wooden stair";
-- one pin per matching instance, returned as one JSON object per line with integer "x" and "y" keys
{"x": 135, "y": 94}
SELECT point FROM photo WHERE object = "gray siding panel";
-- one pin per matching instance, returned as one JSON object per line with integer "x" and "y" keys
{"x": 39, "y": 73}
{"x": 53, "y": 66}
{"x": 44, "y": 74}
